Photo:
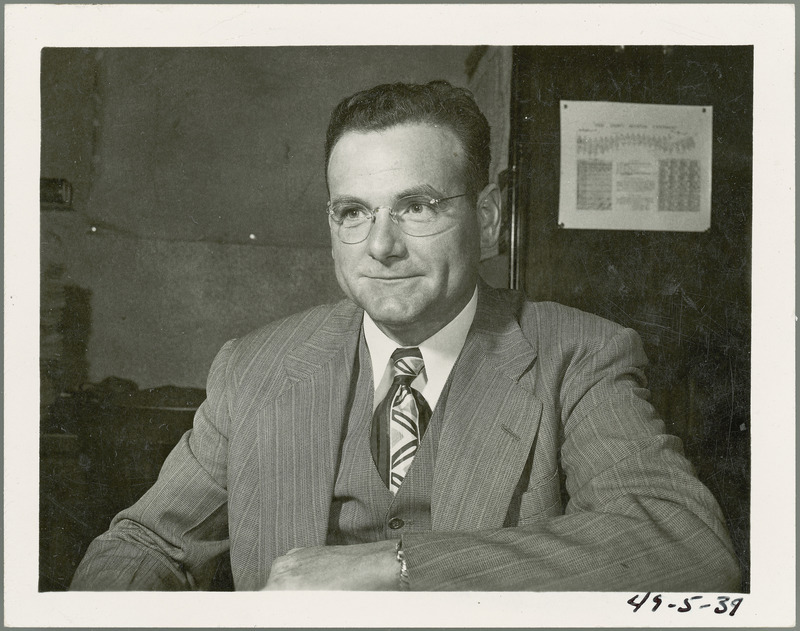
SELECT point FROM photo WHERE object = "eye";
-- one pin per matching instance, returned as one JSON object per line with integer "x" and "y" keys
{"x": 418, "y": 207}
{"x": 350, "y": 213}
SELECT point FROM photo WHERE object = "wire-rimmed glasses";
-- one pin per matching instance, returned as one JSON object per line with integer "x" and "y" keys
{"x": 415, "y": 215}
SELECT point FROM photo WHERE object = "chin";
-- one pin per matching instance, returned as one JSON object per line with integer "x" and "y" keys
{"x": 391, "y": 311}
{"x": 400, "y": 302}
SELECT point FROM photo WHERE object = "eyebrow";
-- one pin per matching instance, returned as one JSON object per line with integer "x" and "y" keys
{"x": 420, "y": 189}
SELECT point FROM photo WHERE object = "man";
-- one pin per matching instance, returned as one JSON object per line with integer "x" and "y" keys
{"x": 422, "y": 433}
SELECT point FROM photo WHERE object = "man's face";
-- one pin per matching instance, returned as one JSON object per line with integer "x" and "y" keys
{"x": 411, "y": 286}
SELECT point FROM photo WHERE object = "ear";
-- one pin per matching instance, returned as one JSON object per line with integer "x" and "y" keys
{"x": 489, "y": 211}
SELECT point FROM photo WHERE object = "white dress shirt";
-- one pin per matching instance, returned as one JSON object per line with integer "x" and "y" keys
{"x": 439, "y": 352}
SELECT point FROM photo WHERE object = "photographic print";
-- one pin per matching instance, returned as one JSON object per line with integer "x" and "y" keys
{"x": 314, "y": 315}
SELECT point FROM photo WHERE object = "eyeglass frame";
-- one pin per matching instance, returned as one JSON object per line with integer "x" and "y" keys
{"x": 373, "y": 213}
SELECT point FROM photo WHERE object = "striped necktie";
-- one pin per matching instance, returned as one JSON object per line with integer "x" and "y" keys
{"x": 400, "y": 420}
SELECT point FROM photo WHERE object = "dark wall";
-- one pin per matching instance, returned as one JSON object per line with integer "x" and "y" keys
{"x": 687, "y": 294}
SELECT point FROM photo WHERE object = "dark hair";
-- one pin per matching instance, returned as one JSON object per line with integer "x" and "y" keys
{"x": 435, "y": 103}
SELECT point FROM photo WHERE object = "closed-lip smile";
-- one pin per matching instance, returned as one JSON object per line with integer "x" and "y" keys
{"x": 404, "y": 277}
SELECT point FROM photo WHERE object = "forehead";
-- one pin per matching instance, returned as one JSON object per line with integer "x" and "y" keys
{"x": 389, "y": 159}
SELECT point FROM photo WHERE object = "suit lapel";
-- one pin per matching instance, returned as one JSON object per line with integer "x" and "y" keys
{"x": 490, "y": 420}
{"x": 300, "y": 433}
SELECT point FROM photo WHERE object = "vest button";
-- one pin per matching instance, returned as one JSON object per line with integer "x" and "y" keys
{"x": 396, "y": 523}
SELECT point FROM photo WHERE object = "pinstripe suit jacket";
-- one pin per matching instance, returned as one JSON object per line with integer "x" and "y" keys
{"x": 546, "y": 402}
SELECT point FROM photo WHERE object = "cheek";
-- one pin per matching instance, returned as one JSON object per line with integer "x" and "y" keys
{"x": 339, "y": 262}
{"x": 455, "y": 254}
{"x": 339, "y": 254}
{"x": 344, "y": 264}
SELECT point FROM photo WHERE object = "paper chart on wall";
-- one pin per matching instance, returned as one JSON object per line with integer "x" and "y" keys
{"x": 632, "y": 166}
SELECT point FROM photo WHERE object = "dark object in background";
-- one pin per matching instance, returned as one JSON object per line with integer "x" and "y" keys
{"x": 64, "y": 328}
{"x": 55, "y": 194}
{"x": 101, "y": 448}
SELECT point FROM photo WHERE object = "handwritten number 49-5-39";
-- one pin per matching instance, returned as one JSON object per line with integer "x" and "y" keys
{"x": 724, "y": 603}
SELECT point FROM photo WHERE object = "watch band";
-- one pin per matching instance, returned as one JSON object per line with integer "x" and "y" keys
{"x": 405, "y": 582}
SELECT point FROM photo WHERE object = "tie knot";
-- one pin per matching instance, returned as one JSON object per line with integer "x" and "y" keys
{"x": 407, "y": 362}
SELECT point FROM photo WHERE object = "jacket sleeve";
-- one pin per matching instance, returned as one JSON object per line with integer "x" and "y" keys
{"x": 637, "y": 518}
{"x": 172, "y": 538}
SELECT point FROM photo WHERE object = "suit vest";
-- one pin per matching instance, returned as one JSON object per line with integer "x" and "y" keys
{"x": 363, "y": 510}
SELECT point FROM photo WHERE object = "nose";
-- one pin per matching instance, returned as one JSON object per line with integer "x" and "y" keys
{"x": 385, "y": 239}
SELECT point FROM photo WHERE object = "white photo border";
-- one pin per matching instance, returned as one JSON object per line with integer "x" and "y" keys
{"x": 769, "y": 28}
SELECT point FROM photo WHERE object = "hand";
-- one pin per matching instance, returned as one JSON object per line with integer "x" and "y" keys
{"x": 365, "y": 566}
